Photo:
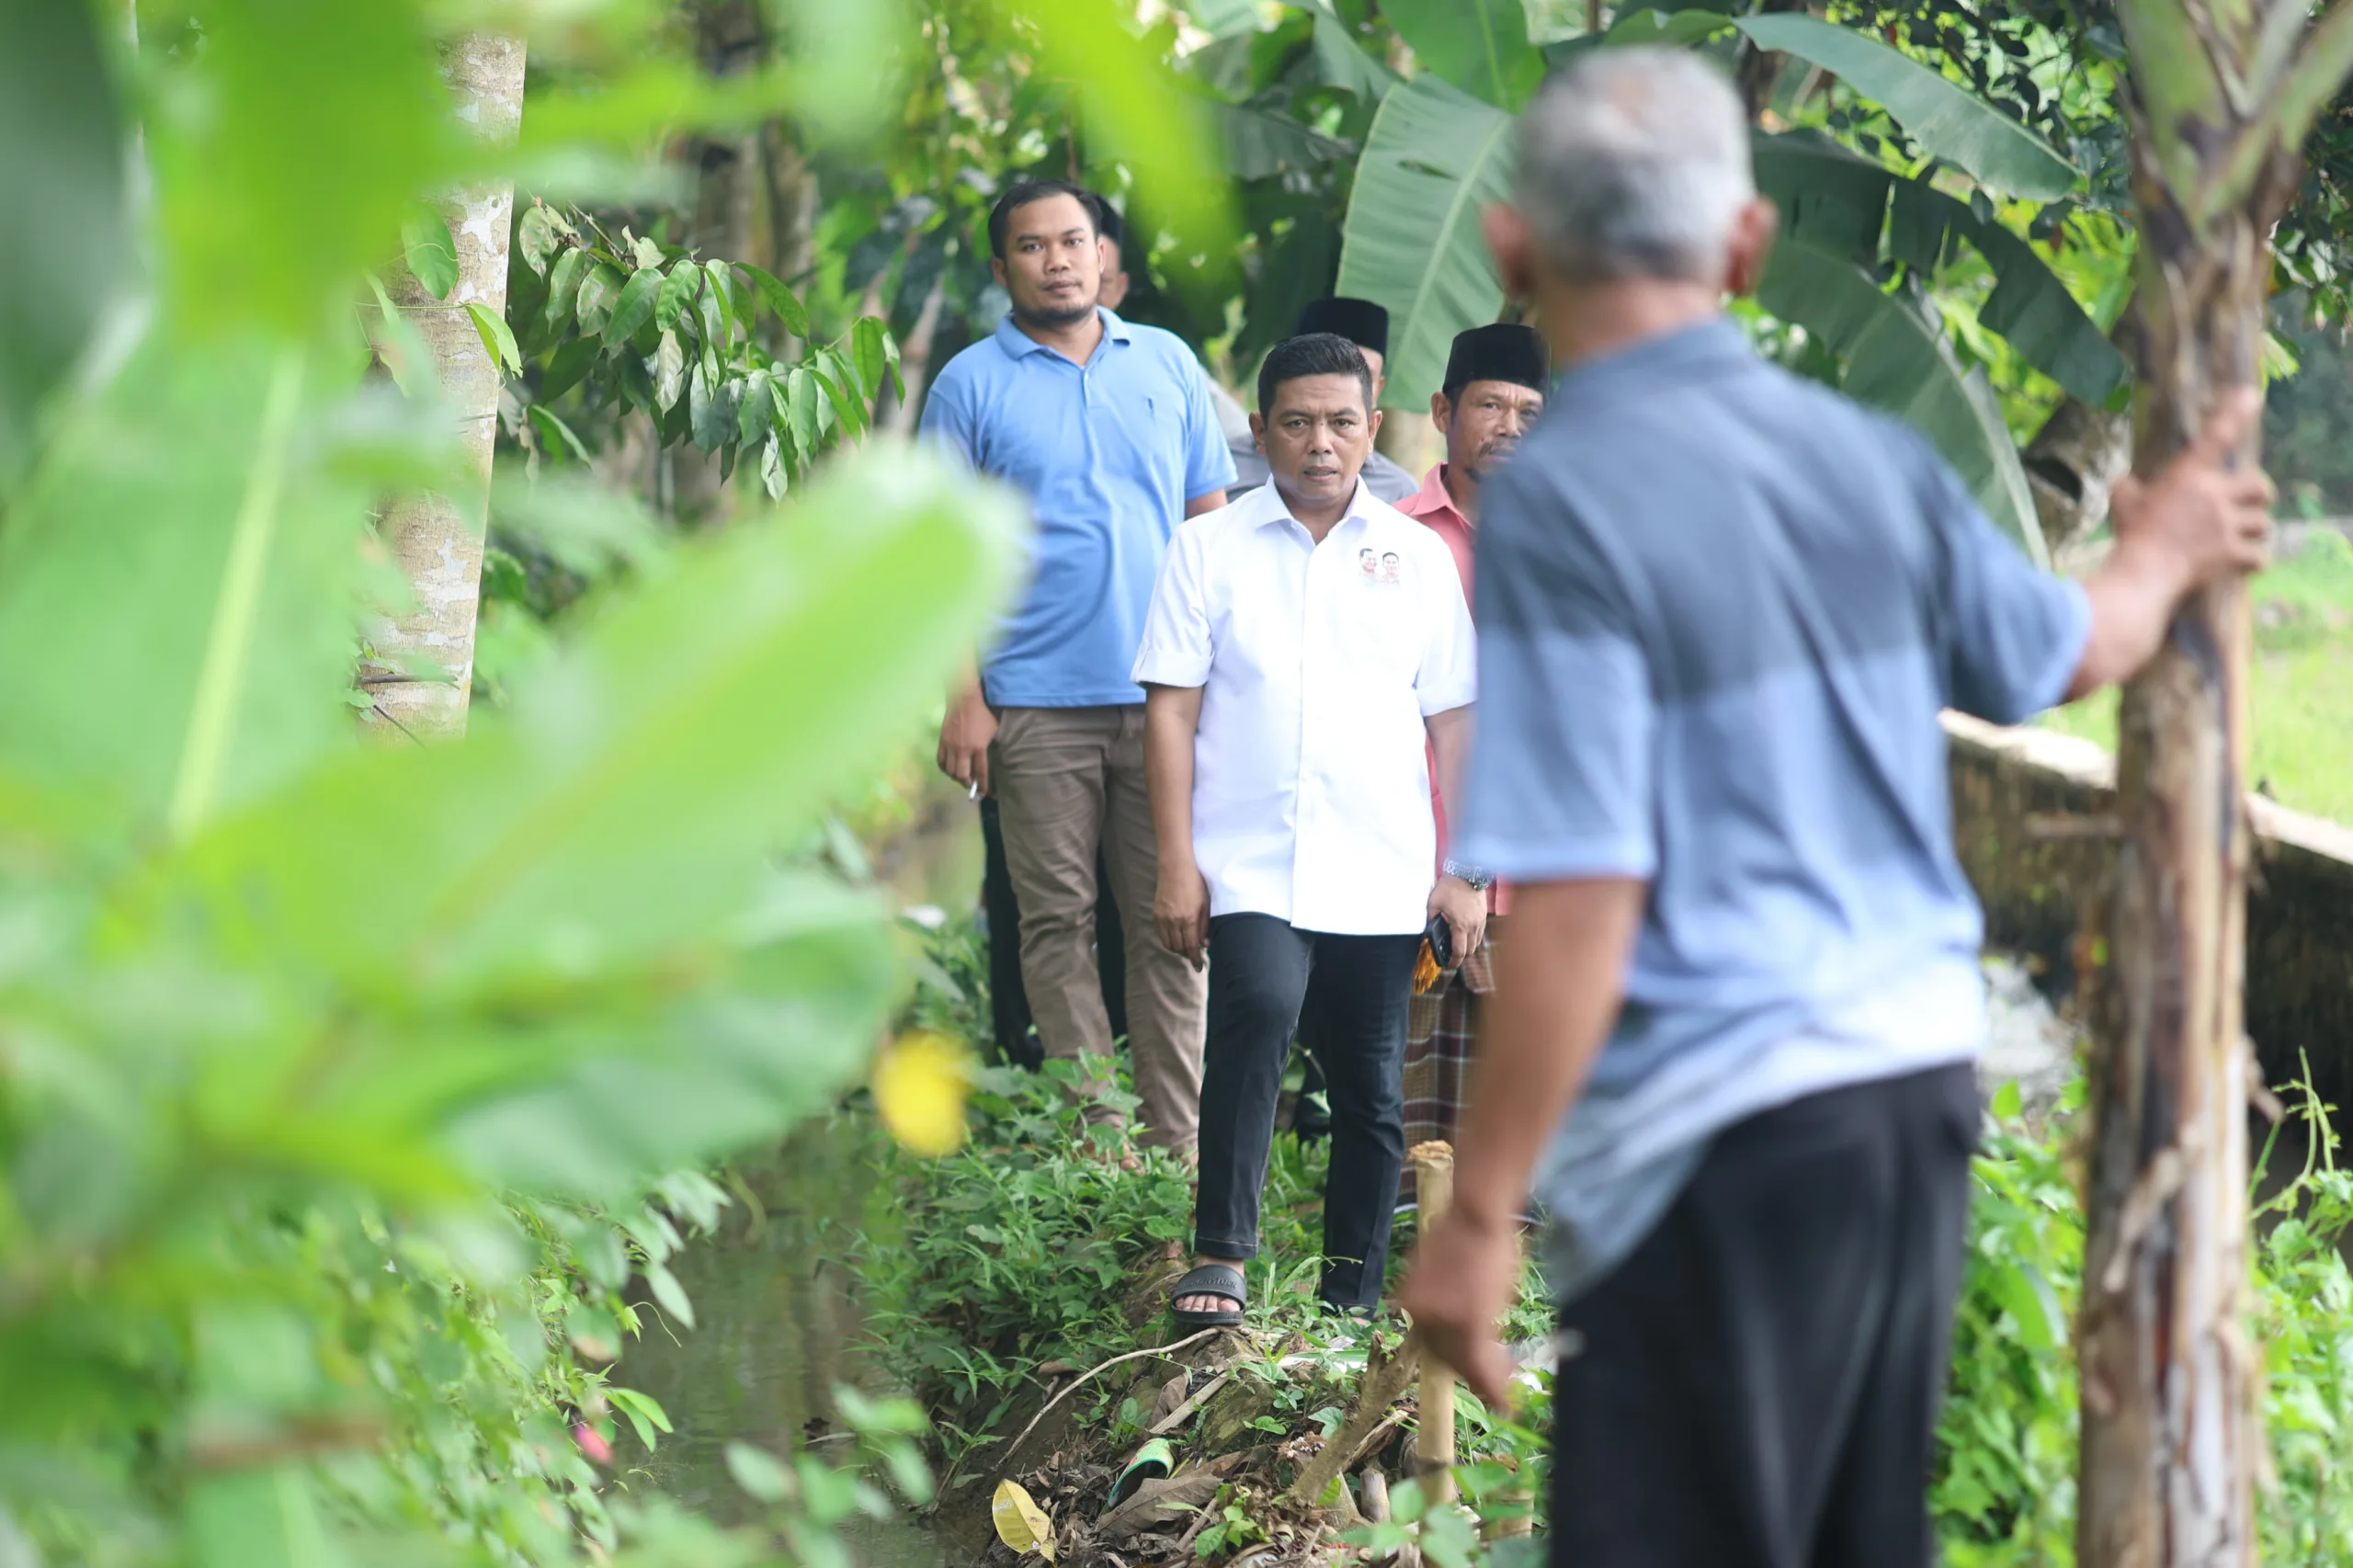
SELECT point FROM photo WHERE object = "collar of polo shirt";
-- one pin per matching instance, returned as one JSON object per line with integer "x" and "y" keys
{"x": 1018, "y": 343}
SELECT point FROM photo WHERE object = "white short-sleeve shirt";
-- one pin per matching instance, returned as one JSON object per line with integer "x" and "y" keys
{"x": 1319, "y": 664}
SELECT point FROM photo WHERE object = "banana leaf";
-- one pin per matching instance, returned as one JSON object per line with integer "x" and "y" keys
{"x": 1948, "y": 120}
{"x": 1434, "y": 156}
{"x": 1897, "y": 360}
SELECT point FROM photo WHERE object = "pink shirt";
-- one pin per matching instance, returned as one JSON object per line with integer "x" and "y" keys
{"x": 1435, "y": 508}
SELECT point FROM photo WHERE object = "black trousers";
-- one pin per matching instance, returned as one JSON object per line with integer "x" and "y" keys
{"x": 1017, "y": 1042}
{"x": 1757, "y": 1385}
{"x": 1262, "y": 971}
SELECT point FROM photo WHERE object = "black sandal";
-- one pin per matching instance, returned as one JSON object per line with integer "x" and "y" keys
{"x": 1220, "y": 1280}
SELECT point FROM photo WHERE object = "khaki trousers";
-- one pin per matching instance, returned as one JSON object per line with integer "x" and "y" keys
{"x": 1065, "y": 779}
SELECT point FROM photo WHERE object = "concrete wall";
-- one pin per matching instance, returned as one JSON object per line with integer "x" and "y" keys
{"x": 2023, "y": 801}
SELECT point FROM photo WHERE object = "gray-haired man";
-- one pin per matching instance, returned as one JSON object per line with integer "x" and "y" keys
{"x": 1720, "y": 608}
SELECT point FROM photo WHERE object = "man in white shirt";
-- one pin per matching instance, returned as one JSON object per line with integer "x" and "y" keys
{"x": 1302, "y": 645}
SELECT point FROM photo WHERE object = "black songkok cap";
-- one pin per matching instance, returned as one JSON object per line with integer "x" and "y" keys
{"x": 1505, "y": 351}
{"x": 1361, "y": 322}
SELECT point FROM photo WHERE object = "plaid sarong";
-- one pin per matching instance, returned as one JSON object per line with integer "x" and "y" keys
{"x": 1441, "y": 1029}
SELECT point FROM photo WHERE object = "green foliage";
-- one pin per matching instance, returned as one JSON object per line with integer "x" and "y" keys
{"x": 340, "y": 1084}
{"x": 1861, "y": 209}
{"x": 2005, "y": 1485}
{"x": 62, "y": 153}
{"x": 1865, "y": 243}
{"x": 1016, "y": 1250}
{"x": 638, "y": 325}
{"x": 1893, "y": 357}
{"x": 288, "y": 143}
{"x": 1947, "y": 120}
{"x": 1480, "y": 46}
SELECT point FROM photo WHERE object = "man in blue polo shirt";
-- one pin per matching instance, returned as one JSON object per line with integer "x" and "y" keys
{"x": 1106, "y": 427}
{"x": 1720, "y": 608}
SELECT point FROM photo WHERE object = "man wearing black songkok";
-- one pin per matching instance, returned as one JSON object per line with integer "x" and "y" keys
{"x": 1496, "y": 378}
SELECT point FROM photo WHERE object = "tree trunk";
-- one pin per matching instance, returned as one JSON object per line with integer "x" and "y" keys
{"x": 2171, "y": 1385}
{"x": 915, "y": 360}
{"x": 427, "y": 651}
{"x": 730, "y": 39}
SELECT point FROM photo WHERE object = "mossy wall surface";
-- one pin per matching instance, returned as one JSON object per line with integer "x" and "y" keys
{"x": 2028, "y": 807}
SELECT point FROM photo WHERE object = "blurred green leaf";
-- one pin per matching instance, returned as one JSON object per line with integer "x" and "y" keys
{"x": 781, "y": 300}
{"x": 430, "y": 253}
{"x": 535, "y": 238}
{"x": 61, "y": 176}
{"x": 1481, "y": 46}
{"x": 1136, "y": 113}
{"x": 497, "y": 337}
{"x": 677, "y": 293}
{"x": 624, "y": 806}
{"x": 564, "y": 285}
{"x": 599, "y": 291}
{"x": 288, "y": 150}
{"x": 723, "y": 296}
{"x": 709, "y": 413}
{"x": 759, "y": 1473}
{"x": 772, "y": 470}
{"x": 755, "y": 412}
{"x": 1671, "y": 28}
{"x": 1260, "y": 143}
{"x": 109, "y": 573}
{"x": 567, "y": 366}
{"x": 804, "y": 397}
{"x": 259, "y": 1518}
{"x": 669, "y": 372}
{"x": 868, "y": 339}
{"x": 635, "y": 306}
{"x": 555, "y": 433}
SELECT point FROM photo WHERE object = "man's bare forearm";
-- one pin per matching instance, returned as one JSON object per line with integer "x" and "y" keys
{"x": 1558, "y": 983}
{"x": 1451, "y": 745}
{"x": 2133, "y": 595}
{"x": 1172, "y": 716}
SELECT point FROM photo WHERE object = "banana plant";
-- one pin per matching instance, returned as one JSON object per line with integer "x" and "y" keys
{"x": 1439, "y": 148}
{"x": 2221, "y": 98}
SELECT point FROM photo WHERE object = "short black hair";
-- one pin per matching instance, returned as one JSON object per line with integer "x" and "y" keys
{"x": 1312, "y": 354}
{"x": 1110, "y": 224}
{"x": 1022, "y": 192}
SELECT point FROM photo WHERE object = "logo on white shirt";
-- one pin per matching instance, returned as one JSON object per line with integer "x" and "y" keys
{"x": 1378, "y": 571}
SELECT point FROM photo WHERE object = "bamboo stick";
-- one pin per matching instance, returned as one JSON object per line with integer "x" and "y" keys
{"x": 1433, "y": 1195}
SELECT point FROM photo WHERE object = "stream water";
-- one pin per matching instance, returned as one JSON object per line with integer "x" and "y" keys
{"x": 777, "y": 1325}
{"x": 778, "y": 1321}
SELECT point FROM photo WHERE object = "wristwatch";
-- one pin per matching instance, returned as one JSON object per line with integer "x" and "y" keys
{"x": 1480, "y": 881}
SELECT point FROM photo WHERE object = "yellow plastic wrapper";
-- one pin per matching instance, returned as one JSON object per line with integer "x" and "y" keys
{"x": 920, "y": 1081}
{"x": 1425, "y": 970}
{"x": 1020, "y": 1523}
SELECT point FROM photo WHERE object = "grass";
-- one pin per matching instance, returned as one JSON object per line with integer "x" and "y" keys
{"x": 2301, "y": 697}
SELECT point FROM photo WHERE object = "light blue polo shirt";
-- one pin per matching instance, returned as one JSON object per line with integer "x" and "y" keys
{"x": 1109, "y": 453}
{"x": 1720, "y": 608}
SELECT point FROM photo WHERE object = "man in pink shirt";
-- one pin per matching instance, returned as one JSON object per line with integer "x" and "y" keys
{"x": 1494, "y": 385}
